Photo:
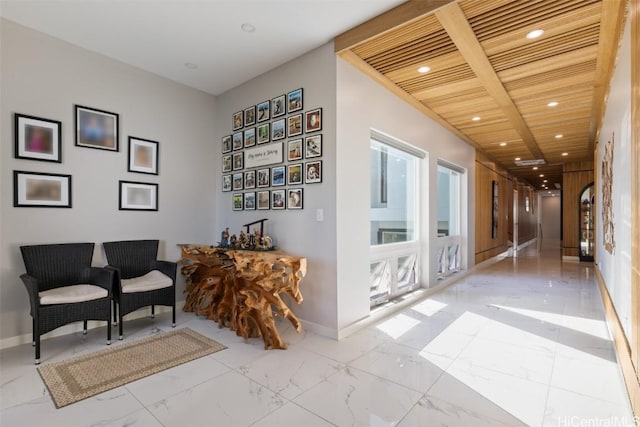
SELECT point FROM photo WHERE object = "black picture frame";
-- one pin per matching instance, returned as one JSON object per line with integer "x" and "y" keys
{"x": 294, "y": 125}
{"x": 313, "y": 120}
{"x": 226, "y": 183}
{"x": 249, "y": 137}
{"x": 278, "y": 199}
{"x": 263, "y": 178}
{"x": 143, "y": 156}
{"x": 278, "y": 130}
{"x": 264, "y": 133}
{"x": 313, "y": 146}
{"x": 137, "y": 196}
{"x": 249, "y": 180}
{"x": 263, "y": 200}
{"x": 278, "y": 176}
{"x": 250, "y": 116}
{"x": 227, "y": 163}
{"x": 294, "y": 174}
{"x": 295, "y": 198}
{"x": 227, "y": 144}
{"x": 263, "y": 111}
{"x": 37, "y": 138}
{"x": 41, "y": 190}
{"x": 238, "y": 181}
{"x": 295, "y": 101}
{"x": 237, "y": 202}
{"x": 238, "y": 120}
{"x": 98, "y": 129}
{"x": 238, "y": 141}
{"x": 250, "y": 201}
{"x": 238, "y": 161}
{"x": 279, "y": 106}
{"x": 294, "y": 149}
{"x": 313, "y": 172}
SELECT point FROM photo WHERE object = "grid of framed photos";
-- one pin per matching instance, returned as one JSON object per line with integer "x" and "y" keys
{"x": 40, "y": 139}
{"x": 275, "y": 148}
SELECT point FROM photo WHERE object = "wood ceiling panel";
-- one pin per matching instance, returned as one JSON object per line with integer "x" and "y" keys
{"x": 483, "y": 65}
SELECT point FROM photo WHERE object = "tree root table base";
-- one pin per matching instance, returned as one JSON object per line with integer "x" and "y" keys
{"x": 242, "y": 289}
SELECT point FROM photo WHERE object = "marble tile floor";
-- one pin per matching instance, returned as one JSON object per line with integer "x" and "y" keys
{"x": 520, "y": 342}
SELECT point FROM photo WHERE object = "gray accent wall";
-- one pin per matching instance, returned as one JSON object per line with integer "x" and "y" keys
{"x": 43, "y": 76}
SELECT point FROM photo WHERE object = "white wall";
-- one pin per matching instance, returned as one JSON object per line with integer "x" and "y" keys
{"x": 294, "y": 231}
{"x": 550, "y": 218}
{"x": 45, "y": 77}
{"x": 616, "y": 267}
{"x": 363, "y": 105}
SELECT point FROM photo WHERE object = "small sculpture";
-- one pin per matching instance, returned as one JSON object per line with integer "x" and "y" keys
{"x": 233, "y": 241}
{"x": 224, "y": 238}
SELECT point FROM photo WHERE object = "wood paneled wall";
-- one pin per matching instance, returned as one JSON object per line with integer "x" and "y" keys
{"x": 527, "y": 220}
{"x": 575, "y": 177}
{"x": 486, "y": 173}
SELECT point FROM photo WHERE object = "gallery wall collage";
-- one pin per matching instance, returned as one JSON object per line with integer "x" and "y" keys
{"x": 40, "y": 139}
{"x": 274, "y": 149}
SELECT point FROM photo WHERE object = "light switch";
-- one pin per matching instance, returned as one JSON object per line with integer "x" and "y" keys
{"x": 319, "y": 215}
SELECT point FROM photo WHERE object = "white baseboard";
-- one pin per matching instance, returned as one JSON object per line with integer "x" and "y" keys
{"x": 77, "y": 327}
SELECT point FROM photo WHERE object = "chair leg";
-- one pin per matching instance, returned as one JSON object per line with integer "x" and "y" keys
{"x": 153, "y": 311}
{"x": 121, "y": 335}
{"x": 36, "y": 337}
{"x": 84, "y": 328}
{"x": 33, "y": 331}
{"x": 109, "y": 331}
{"x": 174, "y": 315}
{"x": 115, "y": 313}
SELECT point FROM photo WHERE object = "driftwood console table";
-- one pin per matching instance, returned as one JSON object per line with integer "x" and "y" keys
{"x": 241, "y": 289}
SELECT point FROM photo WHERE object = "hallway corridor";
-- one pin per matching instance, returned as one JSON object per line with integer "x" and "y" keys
{"x": 519, "y": 342}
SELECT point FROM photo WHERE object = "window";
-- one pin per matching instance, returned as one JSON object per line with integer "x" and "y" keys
{"x": 449, "y": 217}
{"x": 393, "y": 218}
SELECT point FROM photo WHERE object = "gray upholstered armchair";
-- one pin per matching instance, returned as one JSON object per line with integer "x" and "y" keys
{"x": 64, "y": 288}
{"x": 140, "y": 280}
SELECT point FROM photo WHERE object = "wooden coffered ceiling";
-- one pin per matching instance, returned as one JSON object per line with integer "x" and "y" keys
{"x": 483, "y": 65}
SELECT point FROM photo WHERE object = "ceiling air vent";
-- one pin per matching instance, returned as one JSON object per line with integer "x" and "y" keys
{"x": 558, "y": 186}
{"x": 530, "y": 162}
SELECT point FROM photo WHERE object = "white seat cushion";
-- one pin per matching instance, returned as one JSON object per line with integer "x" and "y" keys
{"x": 149, "y": 282}
{"x": 72, "y": 294}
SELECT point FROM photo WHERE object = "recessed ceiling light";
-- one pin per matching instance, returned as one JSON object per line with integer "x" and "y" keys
{"x": 424, "y": 69}
{"x": 565, "y": 154}
{"x": 552, "y": 104}
{"x": 247, "y": 28}
{"x": 190, "y": 65}
{"x": 541, "y": 175}
{"x": 548, "y": 192}
{"x": 535, "y": 168}
{"x": 518, "y": 159}
{"x": 535, "y": 34}
{"x": 503, "y": 144}
{"x": 544, "y": 180}
{"x": 558, "y": 136}
{"x": 476, "y": 118}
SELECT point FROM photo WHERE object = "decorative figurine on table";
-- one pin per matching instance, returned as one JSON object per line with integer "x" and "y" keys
{"x": 233, "y": 241}
{"x": 224, "y": 238}
{"x": 242, "y": 241}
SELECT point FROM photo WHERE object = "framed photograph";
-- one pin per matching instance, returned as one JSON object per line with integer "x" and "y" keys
{"x": 96, "y": 128}
{"x": 294, "y": 198}
{"x": 295, "y": 149}
{"x": 138, "y": 196}
{"x": 249, "y": 180}
{"x": 38, "y": 139}
{"x": 238, "y": 180}
{"x": 227, "y": 144}
{"x": 250, "y": 201}
{"x": 294, "y": 174}
{"x": 250, "y": 116}
{"x": 264, "y": 133}
{"x": 278, "y": 199}
{"x": 238, "y": 201}
{"x": 237, "y": 120}
{"x": 263, "y": 199}
{"x": 278, "y": 130}
{"x": 41, "y": 190}
{"x": 294, "y": 125}
{"x": 313, "y": 146}
{"x": 313, "y": 172}
{"x": 263, "y": 177}
{"x": 250, "y": 137}
{"x": 313, "y": 120}
{"x": 238, "y": 161}
{"x": 279, "y": 106}
{"x": 226, "y": 163}
{"x": 226, "y": 183}
{"x": 294, "y": 101}
{"x": 238, "y": 141}
{"x": 143, "y": 156}
{"x": 264, "y": 111}
{"x": 277, "y": 176}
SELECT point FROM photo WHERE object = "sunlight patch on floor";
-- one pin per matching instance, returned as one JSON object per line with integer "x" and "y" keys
{"x": 397, "y": 325}
{"x": 429, "y": 307}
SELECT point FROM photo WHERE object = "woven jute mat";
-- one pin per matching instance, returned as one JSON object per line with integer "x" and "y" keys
{"x": 80, "y": 377}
